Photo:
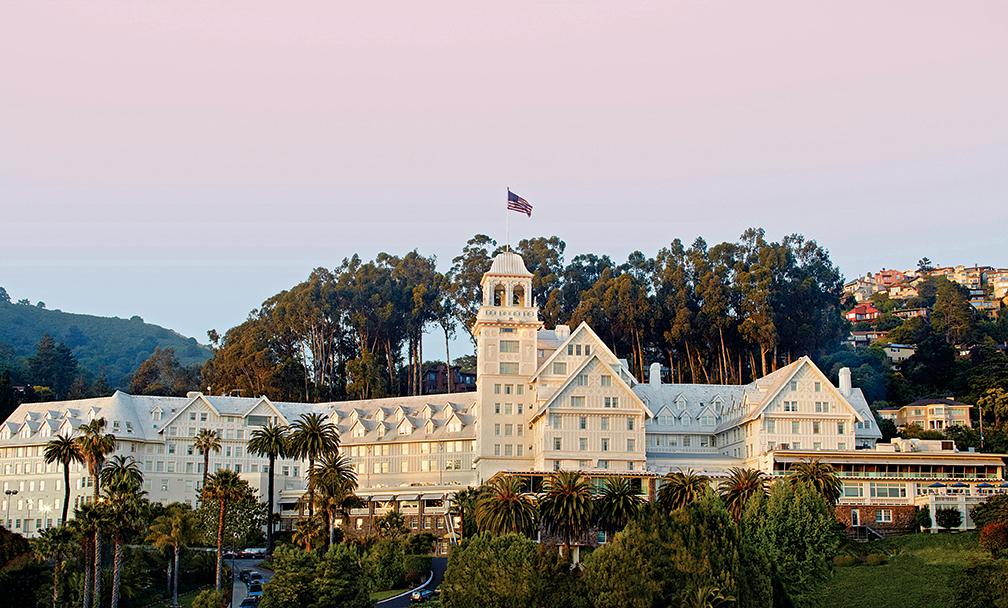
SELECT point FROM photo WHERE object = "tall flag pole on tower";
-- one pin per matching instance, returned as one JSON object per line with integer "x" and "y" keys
{"x": 515, "y": 203}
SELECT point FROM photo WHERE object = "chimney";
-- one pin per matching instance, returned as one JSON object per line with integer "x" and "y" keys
{"x": 654, "y": 378}
{"x": 845, "y": 381}
{"x": 562, "y": 331}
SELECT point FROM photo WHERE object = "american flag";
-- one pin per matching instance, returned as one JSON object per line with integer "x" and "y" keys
{"x": 517, "y": 203}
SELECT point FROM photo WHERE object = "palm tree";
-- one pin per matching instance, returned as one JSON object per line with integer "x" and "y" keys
{"x": 122, "y": 479}
{"x": 223, "y": 487}
{"x": 503, "y": 506}
{"x": 566, "y": 505}
{"x": 681, "y": 488}
{"x": 124, "y": 501}
{"x": 307, "y": 531}
{"x": 86, "y": 524}
{"x": 617, "y": 504}
{"x": 64, "y": 450}
{"x": 269, "y": 441}
{"x": 464, "y": 503}
{"x": 99, "y": 523}
{"x": 206, "y": 441}
{"x": 336, "y": 481}
{"x": 820, "y": 476}
{"x": 174, "y": 530}
{"x": 741, "y": 485}
{"x": 311, "y": 437}
{"x": 53, "y": 544}
{"x": 94, "y": 445}
{"x": 122, "y": 472}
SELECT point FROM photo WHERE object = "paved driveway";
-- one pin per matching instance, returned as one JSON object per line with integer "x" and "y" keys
{"x": 240, "y": 590}
{"x": 438, "y": 565}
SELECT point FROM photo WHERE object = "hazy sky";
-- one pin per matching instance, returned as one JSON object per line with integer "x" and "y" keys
{"x": 185, "y": 160}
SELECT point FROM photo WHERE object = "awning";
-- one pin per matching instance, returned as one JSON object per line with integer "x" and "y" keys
{"x": 402, "y": 497}
{"x": 937, "y": 484}
{"x": 1004, "y": 484}
{"x": 985, "y": 485}
{"x": 900, "y": 458}
{"x": 433, "y": 496}
{"x": 960, "y": 484}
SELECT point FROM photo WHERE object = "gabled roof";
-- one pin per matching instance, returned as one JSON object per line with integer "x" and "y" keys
{"x": 570, "y": 379}
{"x": 780, "y": 378}
{"x": 582, "y": 328}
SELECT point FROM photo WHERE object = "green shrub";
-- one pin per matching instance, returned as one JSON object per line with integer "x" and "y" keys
{"x": 993, "y": 511}
{"x": 948, "y": 518}
{"x": 209, "y": 598}
{"x": 922, "y": 518}
{"x": 994, "y": 538}
{"x": 842, "y": 561}
{"x": 416, "y": 569}
{"x": 874, "y": 559}
{"x": 385, "y": 564}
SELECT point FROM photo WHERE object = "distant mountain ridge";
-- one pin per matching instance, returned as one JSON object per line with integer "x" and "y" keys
{"x": 108, "y": 345}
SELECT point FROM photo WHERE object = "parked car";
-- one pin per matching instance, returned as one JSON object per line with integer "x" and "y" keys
{"x": 243, "y": 575}
{"x": 418, "y": 597}
{"x": 254, "y": 577}
{"x": 255, "y": 589}
{"x": 250, "y": 602}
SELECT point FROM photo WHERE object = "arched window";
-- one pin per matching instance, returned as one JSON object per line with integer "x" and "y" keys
{"x": 499, "y": 297}
{"x": 518, "y": 296}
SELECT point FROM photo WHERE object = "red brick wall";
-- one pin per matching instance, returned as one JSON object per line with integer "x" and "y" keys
{"x": 902, "y": 516}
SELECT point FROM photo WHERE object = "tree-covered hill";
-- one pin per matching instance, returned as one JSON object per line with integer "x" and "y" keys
{"x": 102, "y": 345}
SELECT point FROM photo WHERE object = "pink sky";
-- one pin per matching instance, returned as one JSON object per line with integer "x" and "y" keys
{"x": 184, "y": 160}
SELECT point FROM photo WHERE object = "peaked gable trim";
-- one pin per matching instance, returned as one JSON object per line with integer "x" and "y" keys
{"x": 802, "y": 363}
{"x": 570, "y": 380}
{"x": 583, "y": 327}
{"x": 185, "y": 407}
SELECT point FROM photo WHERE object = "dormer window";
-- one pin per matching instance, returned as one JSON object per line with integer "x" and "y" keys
{"x": 156, "y": 414}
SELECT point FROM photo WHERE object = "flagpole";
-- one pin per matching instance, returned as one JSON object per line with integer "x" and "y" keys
{"x": 507, "y": 223}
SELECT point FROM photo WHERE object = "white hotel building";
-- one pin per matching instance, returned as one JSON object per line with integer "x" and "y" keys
{"x": 546, "y": 399}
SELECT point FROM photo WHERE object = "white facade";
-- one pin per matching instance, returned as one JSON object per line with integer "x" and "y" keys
{"x": 547, "y": 399}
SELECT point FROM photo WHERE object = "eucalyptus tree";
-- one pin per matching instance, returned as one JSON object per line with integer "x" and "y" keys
{"x": 206, "y": 440}
{"x": 312, "y": 437}
{"x": 503, "y": 506}
{"x": 466, "y": 273}
{"x": 270, "y": 441}
{"x": 566, "y": 505}
{"x": 222, "y": 487}
{"x": 64, "y": 450}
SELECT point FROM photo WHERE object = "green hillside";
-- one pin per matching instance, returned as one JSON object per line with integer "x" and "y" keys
{"x": 108, "y": 345}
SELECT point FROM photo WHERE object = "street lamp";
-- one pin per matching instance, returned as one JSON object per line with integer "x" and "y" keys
{"x": 9, "y": 493}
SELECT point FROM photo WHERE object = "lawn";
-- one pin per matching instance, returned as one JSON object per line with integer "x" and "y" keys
{"x": 378, "y": 596}
{"x": 917, "y": 572}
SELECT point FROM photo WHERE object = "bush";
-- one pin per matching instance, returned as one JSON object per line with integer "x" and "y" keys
{"x": 209, "y": 599}
{"x": 922, "y": 518}
{"x": 420, "y": 543}
{"x": 385, "y": 564}
{"x": 948, "y": 518}
{"x": 842, "y": 561}
{"x": 416, "y": 569}
{"x": 981, "y": 586}
{"x": 874, "y": 559}
{"x": 993, "y": 511}
{"x": 994, "y": 538}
